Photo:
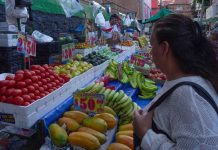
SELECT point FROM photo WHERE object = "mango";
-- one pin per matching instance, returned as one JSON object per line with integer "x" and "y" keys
{"x": 128, "y": 133}
{"x": 109, "y": 110}
{"x": 58, "y": 135}
{"x": 126, "y": 127}
{"x": 110, "y": 119}
{"x": 78, "y": 116}
{"x": 118, "y": 146}
{"x": 126, "y": 140}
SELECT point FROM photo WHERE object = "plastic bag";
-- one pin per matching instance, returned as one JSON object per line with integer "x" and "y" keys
{"x": 127, "y": 21}
{"x": 70, "y": 7}
{"x": 99, "y": 20}
{"x": 42, "y": 38}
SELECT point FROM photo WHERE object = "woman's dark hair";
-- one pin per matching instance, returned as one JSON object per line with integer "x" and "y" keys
{"x": 114, "y": 16}
{"x": 194, "y": 53}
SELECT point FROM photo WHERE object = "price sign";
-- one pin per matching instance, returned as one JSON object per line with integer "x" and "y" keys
{"x": 67, "y": 51}
{"x": 89, "y": 102}
{"x": 26, "y": 45}
{"x": 7, "y": 118}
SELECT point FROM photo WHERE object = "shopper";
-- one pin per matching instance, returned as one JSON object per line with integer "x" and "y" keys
{"x": 186, "y": 117}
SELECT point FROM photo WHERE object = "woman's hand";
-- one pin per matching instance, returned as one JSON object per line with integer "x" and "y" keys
{"x": 142, "y": 122}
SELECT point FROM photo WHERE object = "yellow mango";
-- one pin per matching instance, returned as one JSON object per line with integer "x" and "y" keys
{"x": 109, "y": 110}
{"x": 76, "y": 115}
{"x": 126, "y": 127}
{"x": 97, "y": 124}
{"x": 71, "y": 124}
{"x": 126, "y": 140}
{"x": 109, "y": 118}
{"x": 128, "y": 133}
{"x": 118, "y": 146}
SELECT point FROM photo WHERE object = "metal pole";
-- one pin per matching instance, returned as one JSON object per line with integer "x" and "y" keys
{"x": 160, "y": 4}
{"x": 202, "y": 11}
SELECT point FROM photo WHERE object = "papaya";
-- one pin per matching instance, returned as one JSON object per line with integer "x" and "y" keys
{"x": 101, "y": 137}
{"x": 97, "y": 124}
{"x": 78, "y": 116}
{"x": 126, "y": 127}
{"x": 84, "y": 140}
{"x": 71, "y": 124}
{"x": 126, "y": 140}
{"x": 128, "y": 133}
{"x": 58, "y": 135}
{"x": 109, "y": 110}
{"x": 109, "y": 118}
{"x": 118, "y": 146}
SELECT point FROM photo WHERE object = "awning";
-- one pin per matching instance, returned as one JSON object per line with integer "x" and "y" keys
{"x": 161, "y": 13}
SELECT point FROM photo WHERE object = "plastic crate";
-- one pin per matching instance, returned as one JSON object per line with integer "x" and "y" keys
{"x": 98, "y": 70}
{"x": 26, "y": 117}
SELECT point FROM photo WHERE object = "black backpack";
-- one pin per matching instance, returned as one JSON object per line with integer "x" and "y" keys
{"x": 200, "y": 90}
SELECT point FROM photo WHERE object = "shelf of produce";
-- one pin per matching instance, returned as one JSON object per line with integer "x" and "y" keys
{"x": 116, "y": 84}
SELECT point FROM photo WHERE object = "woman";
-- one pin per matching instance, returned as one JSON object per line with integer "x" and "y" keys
{"x": 185, "y": 119}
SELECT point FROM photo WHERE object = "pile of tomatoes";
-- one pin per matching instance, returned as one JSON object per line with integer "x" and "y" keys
{"x": 27, "y": 86}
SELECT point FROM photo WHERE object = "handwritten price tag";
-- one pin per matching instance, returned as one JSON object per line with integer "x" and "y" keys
{"x": 67, "y": 51}
{"x": 89, "y": 102}
{"x": 7, "y": 118}
{"x": 26, "y": 45}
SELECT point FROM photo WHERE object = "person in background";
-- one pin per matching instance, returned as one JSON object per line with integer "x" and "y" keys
{"x": 213, "y": 37}
{"x": 185, "y": 119}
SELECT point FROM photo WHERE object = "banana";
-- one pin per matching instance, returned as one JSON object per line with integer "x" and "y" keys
{"x": 148, "y": 96}
{"x": 88, "y": 88}
{"x": 149, "y": 87}
{"x": 124, "y": 79}
{"x": 109, "y": 97}
{"x": 126, "y": 110}
{"x": 149, "y": 81}
{"x": 123, "y": 100}
{"x": 132, "y": 80}
{"x": 102, "y": 90}
{"x": 106, "y": 93}
{"x": 139, "y": 80}
{"x": 113, "y": 99}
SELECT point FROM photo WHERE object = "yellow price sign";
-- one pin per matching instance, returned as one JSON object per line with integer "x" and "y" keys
{"x": 89, "y": 102}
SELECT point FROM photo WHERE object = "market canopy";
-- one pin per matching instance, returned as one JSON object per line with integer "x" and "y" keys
{"x": 161, "y": 13}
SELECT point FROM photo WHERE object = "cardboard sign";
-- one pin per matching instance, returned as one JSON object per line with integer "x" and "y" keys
{"x": 89, "y": 102}
{"x": 67, "y": 51}
{"x": 7, "y": 118}
{"x": 26, "y": 45}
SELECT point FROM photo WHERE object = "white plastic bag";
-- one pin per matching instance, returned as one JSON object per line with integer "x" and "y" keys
{"x": 127, "y": 21}
{"x": 99, "y": 20}
{"x": 42, "y": 38}
{"x": 70, "y": 7}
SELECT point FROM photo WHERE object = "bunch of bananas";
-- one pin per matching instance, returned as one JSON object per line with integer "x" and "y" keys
{"x": 118, "y": 101}
{"x": 146, "y": 86}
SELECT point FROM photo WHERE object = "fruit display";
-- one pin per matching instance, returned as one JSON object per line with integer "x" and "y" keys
{"x": 136, "y": 79}
{"x": 83, "y": 45}
{"x": 78, "y": 129}
{"x": 27, "y": 86}
{"x": 106, "y": 52}
{"x": 142, "y": 41}
{"x": 141, "y": 59}
{"x": 156, "y": 74}
{"x": 118, "y": 146}
{"x": 73, "y": 68}
{"x": 127, "y": 43}
{"x": 95, "y": 58}
{"x": 121, "y": 104}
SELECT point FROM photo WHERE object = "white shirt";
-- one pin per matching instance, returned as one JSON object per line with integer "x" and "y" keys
{"x": 186, "y": 117}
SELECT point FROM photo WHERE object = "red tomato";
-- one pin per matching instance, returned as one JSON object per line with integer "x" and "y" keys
{"x": 37, "y": 72}
{"x": 36, "y": 86}
{"x": 26, "y": 103}
{"x": 33, "y": 73}
{"x": 39, "y": 77}
{"x": 27, "y": 74}
{"x": 41, "y": 89}
{"x": 9, "y": 77}
{"x": 34, "y": 78}
{"x": 40, "y": 83}
{"x": 47, "y": 74}
{"x": 28, "y": 81}
{"x": 43, "y": 75}
{"x": 24, "y": 90}
{"x": 51, "y": 72}
{"x": 37, "y": 92}
{"x": 44, "y": 81}
{"x": 56, "y": 75}
{"x": 19, "y": 71}
{"x": 19, "y": 77}
{"x": 37, "y": 97}
{"x": 48, "y": 80}
{"x": 50, "y": 90}
{"x": 57, "y": 81}
{"x": 32, "y": 95}
{"x": 42, "y": 95}
{"x": 53, "y": 84}
{"x": 46, "y": 92}
{"x": 58, "y": 86}
{"x": 31, "y": 88}
{"x": 17, "y": 92}
{"x": 11, "y": 83}
{"x": 9, "y": 92}
{"x": 4, "y": 83}
{"x": 42, "y": 69}
{"x": 49, "y": 85}
{"x": 26, "y": 98}
{"x": 18, "y": 100}
{"x": 9, "y": 99}
{"x": 45, "y": 66}
{"x": 21, "y": 84}
{"x": 52, "y": 77}
{"x": 3, "y": 98}
{"x": 45, "y": 87}
{"x": 34, "y": 67}
{"x": 61, "y": 80}
{"x": 32, "y": 100}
